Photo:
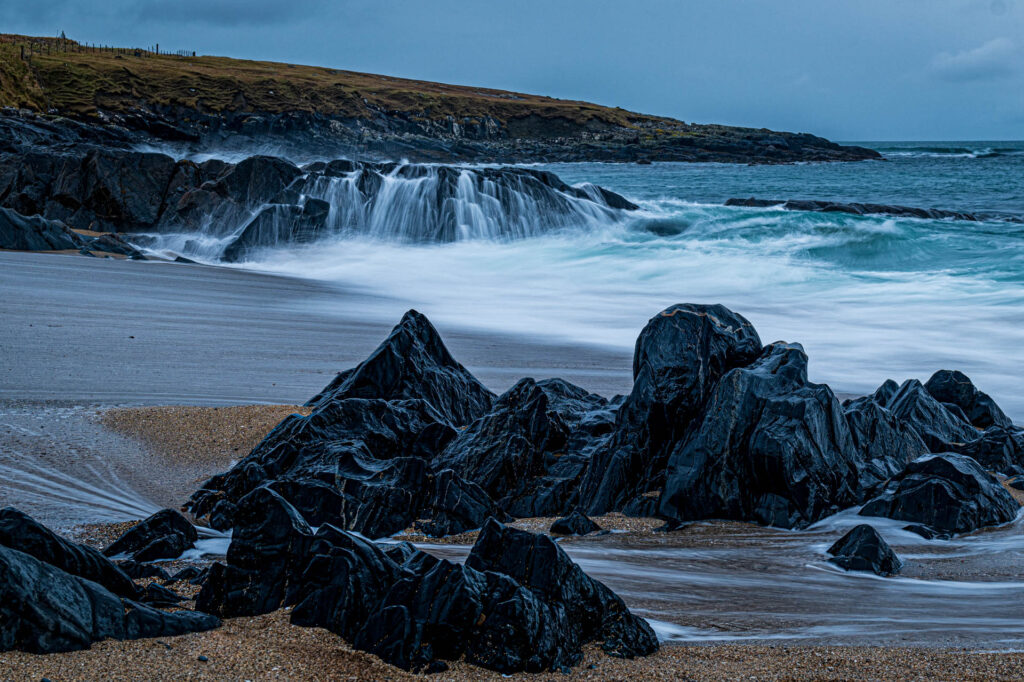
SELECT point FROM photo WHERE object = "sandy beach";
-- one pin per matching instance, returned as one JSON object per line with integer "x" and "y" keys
{"x": 142, "y": 455}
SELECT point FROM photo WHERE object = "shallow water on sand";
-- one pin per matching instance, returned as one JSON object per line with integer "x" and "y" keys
{"x": 708, "y": 582}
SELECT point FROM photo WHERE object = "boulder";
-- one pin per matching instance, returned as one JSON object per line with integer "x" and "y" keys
{"x": 770, "y": 447}
{"x": 575, "y": 523}
{"x": 164, "y": 535}
{"x": 21, "y": 532}
{"x": 680, "y": 356}
{"x": 863, "y": 549}
{"x": 44, "y": 609}
{"x": 948, "y": 492}
{"x": 413, "y": 363}
{"x": 955, "y": 388}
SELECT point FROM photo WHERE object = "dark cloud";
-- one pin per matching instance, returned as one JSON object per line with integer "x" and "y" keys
{"x": 997, "y": 58}
{"x": 227, "y": 13}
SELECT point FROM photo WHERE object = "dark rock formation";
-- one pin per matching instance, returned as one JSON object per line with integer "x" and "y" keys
{"x": 680, "y": 356}
{"x": 939, "y": 426}
{"x": 44, "y": 609}
{"x": 519, "y": 603}
{"x": 952, "y": 387}
{"x": 863, "y": 549}
{"x": 529, "y": 451}
{"x": 164, "y": 535}
{"x": 21, "y": 532}
{"x": 21, "y": 233}
{"x": 927, "y": 532}
{"x": 997, "y": 449}
{"x": 574, "y": 524}
{"x": 413, "y": 363}
{"x": 869, "y": 209}
{"x": 885, "y": 443}
{"x": 947, "y": 492}
{"x": 771, "y": 447}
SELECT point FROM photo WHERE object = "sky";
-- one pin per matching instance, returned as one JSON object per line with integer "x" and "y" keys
{"x": 856, "y": 70}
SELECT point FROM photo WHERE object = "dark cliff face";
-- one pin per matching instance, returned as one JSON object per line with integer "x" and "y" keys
{"x": 389, "y": 135}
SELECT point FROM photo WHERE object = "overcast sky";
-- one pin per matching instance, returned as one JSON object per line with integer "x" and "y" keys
{"x": 857, "y": 70}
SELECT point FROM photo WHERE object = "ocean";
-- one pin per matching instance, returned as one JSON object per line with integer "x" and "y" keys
{"x": 868, "y": 297}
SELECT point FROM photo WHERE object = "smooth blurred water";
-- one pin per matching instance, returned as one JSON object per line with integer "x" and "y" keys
{"x": 869, "y": 297}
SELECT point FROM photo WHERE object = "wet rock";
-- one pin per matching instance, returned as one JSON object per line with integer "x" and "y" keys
{"x": 160, "y": 597}
{"x": 885, "y": 443}
{"x": 592, "y": 611}
{"x": 413, "y": 363}
{"x": 863, "y": 549}
{"x": 997, "y": 449}
{"x": 137, "y": 571}
{"x": 268, "y": 549}
{"x": 857, "y": 208}
{"x": 680, "y": 356}
{"x": 950, "y": 493}
{"x": 164, "y": 535}
{"x": 937, "y": 425}
{"x": 187, "y": 574}
{"x": 46, "y": 610}
{"x": 21, "y": 233}
{"x": 574, "y": 524}
{"x": 1017, "y": 482}
{"x": 926, "y": 532}
{"x": 771, "y": 447}
{"x": 21, "y": 532}
{"x": 954, "y": 387}
{"x": 530, "y": 450}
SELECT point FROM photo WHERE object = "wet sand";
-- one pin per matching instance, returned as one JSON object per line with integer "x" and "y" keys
{"x": 129, "y": 332}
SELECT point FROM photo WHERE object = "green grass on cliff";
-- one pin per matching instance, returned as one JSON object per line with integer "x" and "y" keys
{"x": 80, "y": 83}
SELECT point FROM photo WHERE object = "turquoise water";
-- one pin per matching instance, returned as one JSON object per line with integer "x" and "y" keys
{"x": 870, "y": 298}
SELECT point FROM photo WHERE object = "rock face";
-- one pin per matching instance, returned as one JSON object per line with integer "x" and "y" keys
{"x": 939, "y": 426}
{"x": 863, "y": 549}
{"x": 947, "y": 492}
{"x": 519, "y": 603}
{"x": 58, "y": 596}
{"x": 680, "y": 356}
{"x": 574, "y": 524}
{"x": 21, "y": 233}
{"x": 362, "y": 459}
{"x": 771, "y": 446}
{"x": 164, "y": 535}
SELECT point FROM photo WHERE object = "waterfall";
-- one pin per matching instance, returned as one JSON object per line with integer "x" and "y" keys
{"x": 401, "y": 202}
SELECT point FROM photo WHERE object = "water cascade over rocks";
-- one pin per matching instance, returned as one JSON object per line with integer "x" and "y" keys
{"x": 217, "y": 210}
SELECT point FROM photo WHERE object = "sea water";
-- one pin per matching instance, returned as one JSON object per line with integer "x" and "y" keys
{"x": 869, "y": 297}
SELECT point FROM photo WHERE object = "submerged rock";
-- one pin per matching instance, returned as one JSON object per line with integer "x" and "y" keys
{"x": 771, "y": 447}
{"x": 164, "y": 535}
{"x": 948, "y": 492}
{"x": 863, "y": 549}
{"x": 574, "y": 524}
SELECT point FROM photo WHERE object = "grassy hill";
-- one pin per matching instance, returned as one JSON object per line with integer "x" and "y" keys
{"x": 80, "y": 81}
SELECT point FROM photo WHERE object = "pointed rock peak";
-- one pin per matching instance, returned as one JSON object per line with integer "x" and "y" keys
{"x": 414, "y": 363}
{"x": 863, "y": 549}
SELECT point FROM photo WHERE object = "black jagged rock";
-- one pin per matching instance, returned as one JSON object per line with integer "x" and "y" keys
{"x": 164, "y": 535}
{"x": 950, "y": 493}
{"x": 863, "y": 549}
{"x": 575, "y": 523}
